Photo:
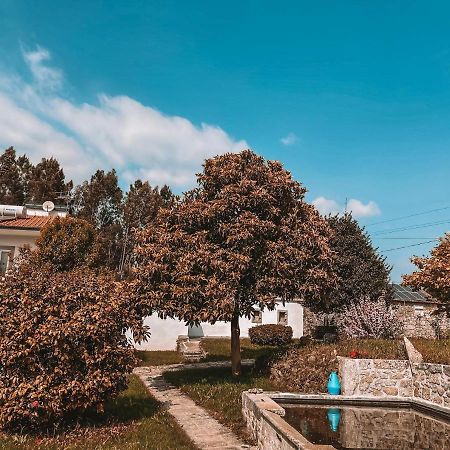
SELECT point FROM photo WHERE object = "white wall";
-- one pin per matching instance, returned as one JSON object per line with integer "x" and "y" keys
{"x": 18, "y": 238}
{"x": 166, "y": 331}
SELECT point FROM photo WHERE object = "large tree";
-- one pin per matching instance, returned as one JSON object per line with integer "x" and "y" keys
{"x": 363, "y": 273}
{"x": 244, "y": 237}
{"x": 434, "y": 273}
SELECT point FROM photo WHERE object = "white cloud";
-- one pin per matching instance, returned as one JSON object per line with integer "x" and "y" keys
{"x": 115, "y": 131}
{"x": 358, "y": 209}
{"x": 45, "y": 77}
{"x": 326, "y": 206}
{"x": 290, "y": 139}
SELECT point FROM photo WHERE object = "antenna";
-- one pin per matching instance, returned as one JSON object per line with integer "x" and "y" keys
{"x": 48, "y": 206}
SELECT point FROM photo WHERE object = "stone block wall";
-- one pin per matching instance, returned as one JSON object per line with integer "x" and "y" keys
{"x": 382, "y": 378}
{"x": 432, "y": 383}
{"x": 421, "y": 323}
{"x": 375, "y": 377}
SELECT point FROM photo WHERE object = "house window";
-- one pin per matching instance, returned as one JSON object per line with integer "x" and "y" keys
{"x": 282, "y": 317}
{"x": 419, "y": 311}
{"x": 4, "y": 261}
{"x": 257, "y": 317}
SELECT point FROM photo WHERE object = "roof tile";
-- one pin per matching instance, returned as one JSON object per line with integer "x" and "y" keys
{"x": 27, "y": 223}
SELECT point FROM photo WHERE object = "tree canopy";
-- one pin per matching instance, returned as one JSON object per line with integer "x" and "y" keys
{"x": 21, "y": 182}
{"x": 244, "y": 237}
{"x": 362, "y": 272}
{"x": 15, "y": 174}
{"x": 433, "y": 275}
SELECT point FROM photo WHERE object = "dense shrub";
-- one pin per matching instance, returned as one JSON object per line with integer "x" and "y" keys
{"x": 370, "y": 319}
{"x": 62, "y": 345}
{"x": 66, "y": 243}
{"x": 270, "y": 335}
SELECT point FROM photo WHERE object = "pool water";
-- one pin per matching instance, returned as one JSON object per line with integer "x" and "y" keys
{"x": 350, "y": 428}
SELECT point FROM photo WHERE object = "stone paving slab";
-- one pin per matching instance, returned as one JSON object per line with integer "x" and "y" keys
{"x": 205, "y": 431}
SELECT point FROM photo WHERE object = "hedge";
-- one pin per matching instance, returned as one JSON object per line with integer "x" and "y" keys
{"x": 270, "y": 335}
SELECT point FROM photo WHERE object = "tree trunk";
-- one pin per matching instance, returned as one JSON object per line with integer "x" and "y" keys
{"x": 235, "y": 345}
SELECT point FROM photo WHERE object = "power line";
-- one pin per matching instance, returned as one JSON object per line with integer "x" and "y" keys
{"x": 408, "y": 216}
{"x": 407, "y": 246}
{"x": 405, "y": 238}
{"x": 411, "y": 227}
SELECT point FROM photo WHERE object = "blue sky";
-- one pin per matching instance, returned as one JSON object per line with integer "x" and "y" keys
{"x": 352, "y": 96}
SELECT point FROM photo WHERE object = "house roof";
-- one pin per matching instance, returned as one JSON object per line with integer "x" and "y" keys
{"x": 407, "y": 294}
{"x": 26, "y": 223}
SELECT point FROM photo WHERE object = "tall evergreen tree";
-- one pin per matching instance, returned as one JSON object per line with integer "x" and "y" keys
{"x": 47, "y": 182}
{"x": 362, "y": 272}
{"x": 99, "y": 201}
{"x": 15, "y": 173}
{"x": 141, "y": 207}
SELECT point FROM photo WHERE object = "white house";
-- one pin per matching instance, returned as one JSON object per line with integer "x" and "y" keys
{"x": 165, "y": 332}
{"x": 20, "y": 227}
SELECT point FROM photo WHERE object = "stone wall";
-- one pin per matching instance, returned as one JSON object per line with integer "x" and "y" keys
{"x": 382, "y": 378}
{"x": 375, "y": 377}
{"x": 432, "y": 383}
{"x": 312, "y": 320}
{"x": 420, "y": 322}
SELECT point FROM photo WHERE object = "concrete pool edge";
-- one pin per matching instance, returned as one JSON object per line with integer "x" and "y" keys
{"x": 263, "y": 414}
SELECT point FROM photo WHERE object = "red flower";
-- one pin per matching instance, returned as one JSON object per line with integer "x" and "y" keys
{"x": 353, "y": 354}
{"x": 35, "y": 404}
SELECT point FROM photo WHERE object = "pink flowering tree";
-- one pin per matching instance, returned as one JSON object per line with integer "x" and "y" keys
{"x": 370, "y": 319}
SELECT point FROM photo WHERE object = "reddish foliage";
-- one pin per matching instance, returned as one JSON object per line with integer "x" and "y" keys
{"x": 62, "y": 344}
{"x": 270, "y": 334}
{"x": 245, "y": 236}
{"x": 434, "y": 273}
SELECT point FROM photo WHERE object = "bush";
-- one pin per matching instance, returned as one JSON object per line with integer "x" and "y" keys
{"x": 62, "y": 345}
{"x": 66, "y": 243}
{"x": 370, "y": 319}
{"x": 270, "y": 335}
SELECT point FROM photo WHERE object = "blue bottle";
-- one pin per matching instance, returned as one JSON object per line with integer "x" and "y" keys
{"x": 334, "y": 387}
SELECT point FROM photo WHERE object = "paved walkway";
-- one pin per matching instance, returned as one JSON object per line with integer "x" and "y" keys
{"x": 206, "y": 432}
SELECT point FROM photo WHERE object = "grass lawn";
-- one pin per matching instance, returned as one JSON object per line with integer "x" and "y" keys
{"x": 158, "y": 358}
{"x": 134, "y": 420}
{"x": 437, "y": 352}
{"x": 220, "y": 350}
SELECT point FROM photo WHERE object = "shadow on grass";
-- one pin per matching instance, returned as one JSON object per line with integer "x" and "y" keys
{"x": 133, "y": 420}
{"x": 134, "y": 404}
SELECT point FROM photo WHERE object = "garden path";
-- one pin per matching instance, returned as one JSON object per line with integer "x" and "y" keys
{"x": 205, "y": 431}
